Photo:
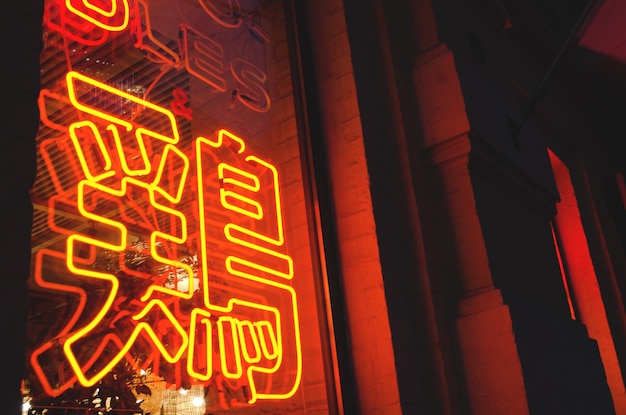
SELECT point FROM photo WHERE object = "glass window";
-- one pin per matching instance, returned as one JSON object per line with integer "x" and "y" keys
{"x": 172, "y": 270}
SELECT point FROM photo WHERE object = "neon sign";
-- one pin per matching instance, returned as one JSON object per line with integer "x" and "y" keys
{"x": 252, "y": 336}
{"x": 169, "y": 244}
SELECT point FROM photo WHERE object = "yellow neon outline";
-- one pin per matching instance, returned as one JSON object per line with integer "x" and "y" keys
{"x": 255, "y": 342}
{"x": 38, "y": 276}
{"x": 276, "y": 340}
{"x": 254, "y": 187}
{"x": 142, "y": 326}
{"x": 209, "y": 345}
{"x": 272, "y": 337}
{"x": 119, "y": 247}
{"x": 226, "y": 194}
{"x": 120, "y": 152}
{"x": 222, "y": 342}
{"x": 264, "y": 335}
{"x": 95, "y": 22}
{"x": 74, "y": 99}
{"x": 123, "y": 232}
{"x": 140, "y": 132}
{"x": 229, "y": 194}
{"x": 230, "y": 227}
{"x": 170, "y": 149}
{"x": 225, "y": 133}
{"x": 220, "y": 140}
{"x": 234, "y": 259}
{"x": 155, "y": 235}
{"x": 97, "y": 9}
{"x": 231, "y": 260}
{"x": 277, "y": 202}
{"x": 150, "y": 331}
{"x": 69, "y": 354}
{"x": 101, "y": 146}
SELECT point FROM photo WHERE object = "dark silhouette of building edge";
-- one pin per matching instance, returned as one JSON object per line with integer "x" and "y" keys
{"x": 20, "y": 26}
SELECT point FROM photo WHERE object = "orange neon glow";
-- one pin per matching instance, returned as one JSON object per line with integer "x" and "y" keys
{"x": 51, "y": 147}
{"x": 246, "y": 330}
{"x": 74, "y": 128}
{"x": 204, "y": 57}
{"x": 77, "y": 80}
{"x": 245, "y": 312}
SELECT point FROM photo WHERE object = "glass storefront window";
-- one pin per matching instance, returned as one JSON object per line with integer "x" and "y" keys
{"x": 172, "y": 266}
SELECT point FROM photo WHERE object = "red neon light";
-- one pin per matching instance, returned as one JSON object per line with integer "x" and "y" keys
{"x": 178, "y": 105}
{"x": 71, "y": 26}
{"x": 144, "y": 179}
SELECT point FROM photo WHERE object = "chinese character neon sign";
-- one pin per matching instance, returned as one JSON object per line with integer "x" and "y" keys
{"x": 197, "y": 284}
{"x": 131, "y": 176}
